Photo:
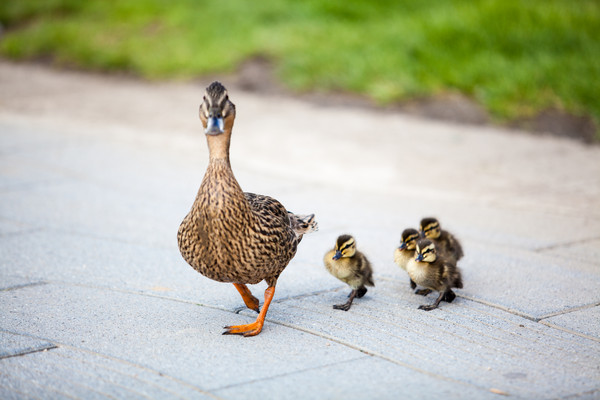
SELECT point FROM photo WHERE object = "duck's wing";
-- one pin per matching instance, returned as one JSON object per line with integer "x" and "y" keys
{"x": 270, "y": 211}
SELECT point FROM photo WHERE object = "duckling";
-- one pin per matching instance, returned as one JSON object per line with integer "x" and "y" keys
{"x": 233, "y": 236}
{"x": 351, "y": 267}
{"x": 406, "y": 251}
{"x": 434, "y": 271}
{"x": 444, "y": 241}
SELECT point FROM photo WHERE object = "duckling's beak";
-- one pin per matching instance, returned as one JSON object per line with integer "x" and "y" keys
{"x": 214, "y": 126}
{"x": 338, "y": 255}
{"x": 402, "y": 245}
{"x": 419, "y": 257}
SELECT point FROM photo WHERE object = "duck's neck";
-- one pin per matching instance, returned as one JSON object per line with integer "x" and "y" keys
{"x": 218, "y": 146}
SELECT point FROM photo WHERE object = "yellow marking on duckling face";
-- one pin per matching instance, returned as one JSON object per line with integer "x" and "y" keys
{"x": 347, "y": 248}
{"x": 432, "y": 231}
{"x": 427, "y": 252}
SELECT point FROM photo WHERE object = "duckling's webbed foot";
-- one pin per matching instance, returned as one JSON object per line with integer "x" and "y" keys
{"x": 422, "y": 292}
{"x": 435, "y": 304}
{"x": 449, "y": 296}
{"x": 346, "y": 306}
{"x": 413, "y": 285}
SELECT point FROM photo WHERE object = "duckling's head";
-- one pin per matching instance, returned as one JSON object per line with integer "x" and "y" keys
{"x": 345, "y": 246}
{"x": 430, "y": 228}
{"x": 425, "y": 251}
{"x": 409, "y": 239}
{"x": 217, "y": 112}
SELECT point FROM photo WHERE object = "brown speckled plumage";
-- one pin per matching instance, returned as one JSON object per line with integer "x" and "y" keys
{"x": 349, "y": 266}
{"x": 229, "y": 235}
{"x": 435, "y": 272}
{"x": 445, "y": 242}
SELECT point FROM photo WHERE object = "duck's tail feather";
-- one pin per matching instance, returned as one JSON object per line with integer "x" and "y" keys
{"x": 303, "y": 224}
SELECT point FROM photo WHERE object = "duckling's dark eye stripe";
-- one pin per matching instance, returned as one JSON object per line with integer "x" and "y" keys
{"x": 430, "y": 228}
{"x": 346, "y": 246}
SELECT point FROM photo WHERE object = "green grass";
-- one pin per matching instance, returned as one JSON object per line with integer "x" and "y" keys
{"x": 514, "y": 57}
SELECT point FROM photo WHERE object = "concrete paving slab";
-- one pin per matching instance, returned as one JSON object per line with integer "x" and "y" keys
{"x": 17, "y": 345}
{"x": 182, "y": 340}
{"x": 585, "y": 321}
{"x": 71, "y": 373}
{"x": 462, "y": 341}
{"x": 349, "y": 381}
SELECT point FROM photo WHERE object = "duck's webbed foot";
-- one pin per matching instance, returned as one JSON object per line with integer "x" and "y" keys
{"x": 346, "y": 306}
{"x": 254, "y": 328}
{"x": 435, "y": 304}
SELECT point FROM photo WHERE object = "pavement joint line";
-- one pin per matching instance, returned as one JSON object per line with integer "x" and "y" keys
{"x": 374, "y": 354}
{"x": 575, "y": 396}
{"x": 24, "y": 285}
{"x": 96, "y": 377}
{"x": 433, "y": 328}
{"x": 291, "y": 373}
{"x": 29, "y": 351}
{"x": 58, "y": 378}
{"x": 569, "y": 310}
{"x": 416, "y": 356}
{"x": 565, "y": 244}
{"x": 583, "y": 335}
{"x": 84, "y": 361}
{"x": 109, "y": 357}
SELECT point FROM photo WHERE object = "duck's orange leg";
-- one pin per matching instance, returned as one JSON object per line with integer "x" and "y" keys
{"x": 255, "y": 327}
{"x": 250, "y": 301}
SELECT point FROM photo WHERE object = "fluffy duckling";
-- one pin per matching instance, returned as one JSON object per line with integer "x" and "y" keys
{"x": 406, "y": 251}
{"x": 434, "y": 271}
{"x": 351, "y": 267}
{"x": 233, "y": 236}
{"x": 444, "y": 241}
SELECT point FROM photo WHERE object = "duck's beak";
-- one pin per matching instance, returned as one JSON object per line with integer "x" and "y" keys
{"x": 338, "y": 255}
{"x": 214, "y": 126}
{"x": 402, "y": 245}
{"x": 419, "y": 257}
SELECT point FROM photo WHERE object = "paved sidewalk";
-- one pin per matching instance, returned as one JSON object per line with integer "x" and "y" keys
{"x": 96, "y": 174}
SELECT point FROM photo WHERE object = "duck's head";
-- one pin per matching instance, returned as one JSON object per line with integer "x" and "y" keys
{"x": 430, "y": 228}
{"x": 409, "y": 239}
{"x": 345, "y": 246}
{"x": 425, "y": 251}
{"x": 217, "y": 112}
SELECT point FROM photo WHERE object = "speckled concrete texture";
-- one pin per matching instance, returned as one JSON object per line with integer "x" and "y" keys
{"x": 97, "y": 172}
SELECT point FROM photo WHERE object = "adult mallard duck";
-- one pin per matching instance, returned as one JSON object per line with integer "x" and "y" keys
{"x": 232, "y": 236}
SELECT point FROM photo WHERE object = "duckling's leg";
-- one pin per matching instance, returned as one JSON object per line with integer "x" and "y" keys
{"x": 436, "y": 304}
{"x": 423, "y": 292}
{"x": 255, "y": 327}
{"x": 413, "y": 285}
{"x": 346, "y": 306}
{"x": 250, "y": 301}
{"x": 449, "y": 296}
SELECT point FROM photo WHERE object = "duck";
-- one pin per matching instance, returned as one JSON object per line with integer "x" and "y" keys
{"x": 406, "y": 251}
{"x": 234, "y": 236}
{"x": 434, "y": 271}
{"x": 349, "y": 266}
{"x": 445, "y": 242}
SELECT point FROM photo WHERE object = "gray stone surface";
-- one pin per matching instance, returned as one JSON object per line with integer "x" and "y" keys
{"x": 585, "y": 321}
{"x": 12, "y": 345}
{"x": 96, "y": 174}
